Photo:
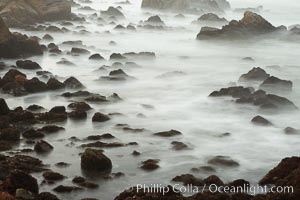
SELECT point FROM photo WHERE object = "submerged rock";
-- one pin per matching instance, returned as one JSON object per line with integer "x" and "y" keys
{"x": 259, "y": 120}
{"x": 150, "y": 165}
{"x": 112, "y": 12}
{"x": 255, "y": 74}
{"x": 170, "y": 133}
{"x": 273, "y": 82}
{"x": 73, "y": 83}
{"x": 95, "y": 160}
{"x": 27, "y": 64}
{"x": 43, "y": 147}
{"x": 100, "y": 117}
{"x": 223, "y": 161}
{"x": 188, "y": 179}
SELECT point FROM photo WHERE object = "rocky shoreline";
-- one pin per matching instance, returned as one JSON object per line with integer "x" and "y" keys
{"x": 25, "y": 131}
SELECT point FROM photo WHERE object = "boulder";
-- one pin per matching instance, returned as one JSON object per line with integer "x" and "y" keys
{"x": 19, "y": 179}
{"x": 54, "y": 84}
{"x": 188, "y": 179}
{"x": 255, "y": 74}
{"x": 79, "y": 106}
{"x": 66, "y": 189}
{"x": 249, "y": 26}
{"x": 95, "y": 160}
{"x": 112, "y": 12}
{"x": 155, "y": 21}
{"x": 4, "y": 109}
{"x": 291, "y": 131}
{"x": 27, "y": 64}
{"x": 273, "y": 82}
{"x": 23, "y": 12}
{"x": 53, "y": 176}
{"x": 100, "y": 117}
{"x": 223, "y": 161}
{"x": 32, "y": 134}
{"x": 43, "y": 147}
{"x": 34, "y": 85}
{"x": 96, "y": 56}
{"x": 211, "y": 17}
{"x": 58, "y": 110}
{"x": 170, "y": 133}
{"x": 77, "y": 114}
{"x": 73, "y": 83}
{"x": 150, "y": 165}
{"x": 259, "y": 120}
{"x": 10, "y": 134}
{"x": 76, "y": 51}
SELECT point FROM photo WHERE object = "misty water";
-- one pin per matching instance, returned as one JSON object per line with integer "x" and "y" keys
{"x": 177, "y": 100}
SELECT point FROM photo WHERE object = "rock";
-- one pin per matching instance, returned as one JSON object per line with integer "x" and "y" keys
{"x": 21, "y": 13}
{"x": 54, "y": 84}
{"x": 58, "y": 109}
{"x": 51, "y": 129}
{"x": 276, "y": 83}
{"x": 27, "y": 64}
{"x": 34, "y": 107}
{"x": 179, "y": 146}
{"x": 84, "y": 183}
{"x": 77, "y": 114}
{"x": 79, "y": 106}
{"x": 99, "y": 117}
{"x": 235, "y": 92}
{"x": 150, "y": 165}
{"x": 99, "y": 144}
{"x": 19, "y": 179}
{"x": 290, "y": 130}
{"x": 239, "y": 183}
{"x": 6, "y": 196}
{"x": 136, "y": 153}
{"x": 112, "y": 12}
{"x": 188, "y": 179}
{"x": 211, "y": 17}
{"x": 73, "y": 83}
{"x": 259, "y": 120}
{"x": 203, "y": 169}
{"x": 95, "y": 160}
{"x": 255, "y": 74}
{"x": 100, "y": 137}
{"x": 223, "y": 161}
{"x": 53, "y": 176}
{"x": 285, "y": 173}
{"x": 48, "y": 37}
{"x": 66, "y": 189}
{"x": 32, "y": 134}
{"x": 43, "y": 147}
{"x": 16, "y": 45}
{"x": 76, "y": 50}
{"x": 96, "y": 56}
{"x": 170, "y": 133}
{"x": 4, "y": 109}
{"x": 10, "y": 134}
{"x": 34, "y": 85}
{"x": 46, "y": 196}
{"x": 116, "y": 56}
{"x": 251, "y": 25}
{"x": 155, "y": 21}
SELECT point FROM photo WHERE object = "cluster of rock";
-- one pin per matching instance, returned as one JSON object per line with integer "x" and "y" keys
{"x": 259, "y": 97}
{"x": 19, "y": 13}
{"x": 190, "y": 6}
{"x": 285, "y": 174}
{"x": 249, "y": 26}
{"x": 14, "y": 45}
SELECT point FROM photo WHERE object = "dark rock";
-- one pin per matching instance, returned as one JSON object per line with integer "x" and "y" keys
{"x": 112, "y": 12}
{"x": 4, "y": 109}
{"x": 99, "y": 144}
{"x": 96, "y": 56}
{"x": 290, "y": 130}
{"x": 285, "y": 173}
{"x": 48, "y": 37}
{"x": 73, "y": 83}
{"x": 99, "y": 117}
{"x": 35, "y": 85}
{"x": 78, "y": 114}
{"x": 58, "y": 109}
{"x": 213, "y": 179}
{"x": 259, "y": 120}
{"x": 76, "y": 50}
{"x": 255, "y": 74}
{"x": 179, "y": 146}
{"x": 150, "y": 165}
{"x": 211, "y": 17}
{"x": 170, "y": 133}
{"x": 54, "y": 84}
{"x": 62, "y": 164}
{"x": 276, "y": 83}
{"x": 95, "y": 160}
{"x": 27, "y": 64}
{"x": 43, "y": 147}
{"x": 16, "y": 45}
{"x": 66, "y": 189}
{"x": 239, "y": 183}
{"x": 203, "y": 169}
{"x": 53, "y": 176}
{"x": 10, "y": 134}
{"x": 155, "y": 20}
{"x": 34, "y": 107}
{"x": 188, "y": 179}
{"x": 223, "y": 161}
{"x": 235, "y": 92}
{"x": 136, "y": 153}
{"x": 100, "y": 137}
{"x": 251, "y": 25}
{"x": 32, "y": 134}
{"x": 46, "y": 196}
{"x": 79, "y": 106}
{"x": 19, "y": 179}
{"x": 117, "y": 56}
{"x": 51, "y": 129}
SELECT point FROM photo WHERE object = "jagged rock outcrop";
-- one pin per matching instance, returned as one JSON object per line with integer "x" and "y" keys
{"x": 19, "y": 13}
{"x": 192, "y": 6}
{"x": 250, "y": 25}
{"x": 15, "y": 45}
